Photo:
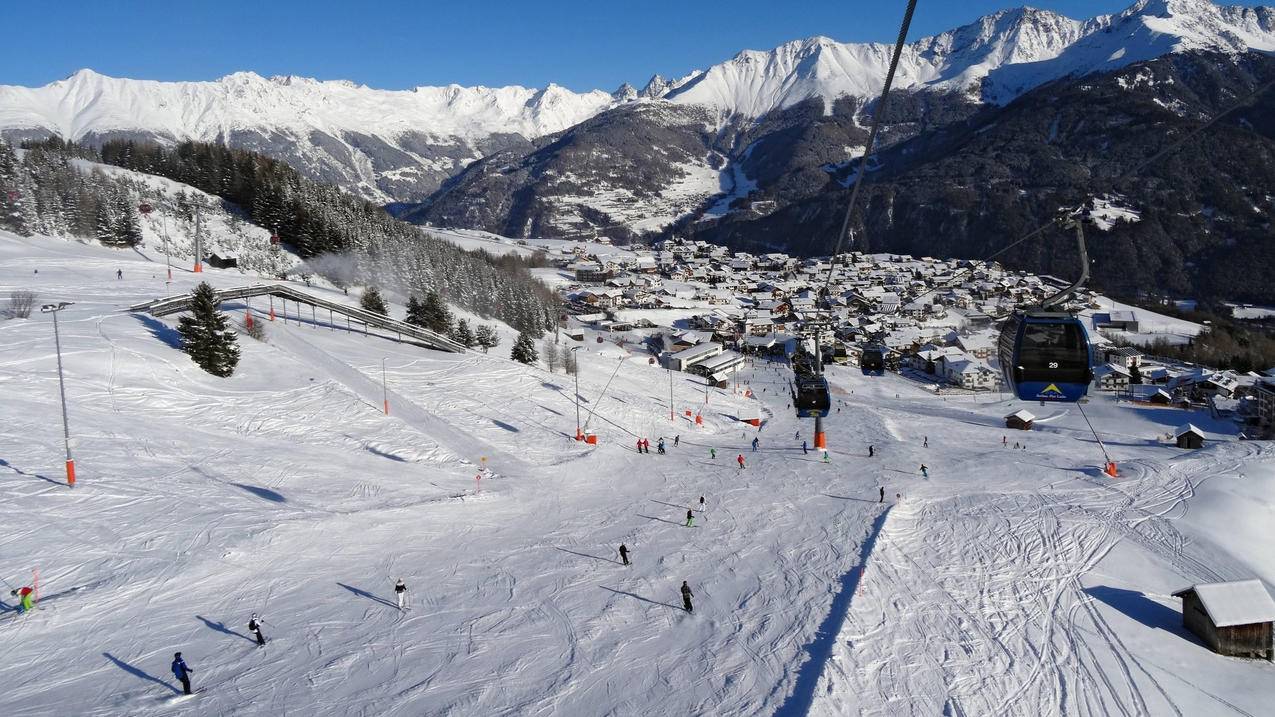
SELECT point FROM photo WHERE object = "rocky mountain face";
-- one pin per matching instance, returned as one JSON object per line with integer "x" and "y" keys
{"x": 381, "y": 145}
{"x": 1197, "y": 222}
{"x": 757, "y": 151}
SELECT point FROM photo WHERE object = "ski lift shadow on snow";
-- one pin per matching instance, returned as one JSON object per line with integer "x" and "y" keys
{"x": 260, "y": 492}
{"x": 221, "y": 627}
{"x": 368, "y": 595}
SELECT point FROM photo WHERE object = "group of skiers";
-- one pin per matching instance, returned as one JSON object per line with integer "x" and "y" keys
{"x": 644, "y": 444}
{"x": 182, "y": 671}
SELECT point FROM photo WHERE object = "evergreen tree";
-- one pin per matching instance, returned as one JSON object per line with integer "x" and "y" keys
{"x": 524, "y": 349}
{"x": 206, "y": 335}
{"x": 486, "y": 337}
{"x": 549, "y": 351}
{"x": 1135, "y": 375}
{"x": 372, "y": 301}
{"x": 462, "y": 335}
{"x": 437, "y": 316}
{"x": 415, "y": 312}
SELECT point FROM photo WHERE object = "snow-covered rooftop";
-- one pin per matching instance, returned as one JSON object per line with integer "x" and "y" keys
{"x": 1242, "y": 602}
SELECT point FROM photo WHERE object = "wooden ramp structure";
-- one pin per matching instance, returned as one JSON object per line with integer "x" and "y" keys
{"x": 285, "y": 293}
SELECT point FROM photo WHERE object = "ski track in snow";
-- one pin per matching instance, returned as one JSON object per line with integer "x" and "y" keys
{"x": 993, "y": 587}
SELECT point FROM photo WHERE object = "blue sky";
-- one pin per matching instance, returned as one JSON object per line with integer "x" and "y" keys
{"x": 581, "y": 45}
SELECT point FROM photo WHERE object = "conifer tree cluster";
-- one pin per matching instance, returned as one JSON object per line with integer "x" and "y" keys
{"x": 524, "y": 349}
{"x": 44, "y": 193}
{"x": 430, "y": 313}
{"x": 206, "y": 334}
{"x": 318, "y": 220}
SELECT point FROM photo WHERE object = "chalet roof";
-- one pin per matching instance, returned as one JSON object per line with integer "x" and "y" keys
{"x": 1242, "y": 602}
{"x": 1186, "y": 428}
{"x": 1024, "y": 416}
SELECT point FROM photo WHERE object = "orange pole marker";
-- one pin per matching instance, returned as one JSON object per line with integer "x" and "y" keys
{"x": 70, "y": 473}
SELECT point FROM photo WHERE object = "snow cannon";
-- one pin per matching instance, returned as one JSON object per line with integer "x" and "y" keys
{"x": 1111, "y": 470}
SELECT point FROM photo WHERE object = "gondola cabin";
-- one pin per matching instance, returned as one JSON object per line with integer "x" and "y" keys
{"x": 873, "y": 360}
{"x": 811, "y": 396}
{"x": 1046, "y": 356}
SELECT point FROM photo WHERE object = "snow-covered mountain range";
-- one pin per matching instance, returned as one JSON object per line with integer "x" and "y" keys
{"x": 400, "y": 145}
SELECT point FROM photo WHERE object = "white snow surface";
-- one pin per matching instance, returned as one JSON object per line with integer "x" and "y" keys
{"x": 1010, "y": 582}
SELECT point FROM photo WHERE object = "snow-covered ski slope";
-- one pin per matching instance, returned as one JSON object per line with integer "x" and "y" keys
{"x": 1009, "y": 582}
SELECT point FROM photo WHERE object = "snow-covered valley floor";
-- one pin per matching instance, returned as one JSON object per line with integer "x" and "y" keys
{"x": 1008, "y": 582}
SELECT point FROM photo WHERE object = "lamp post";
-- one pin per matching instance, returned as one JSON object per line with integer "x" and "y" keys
{"x": 66, "y": 427}
{"x": 385, "y": 391}
{"x": 576, "y": 363}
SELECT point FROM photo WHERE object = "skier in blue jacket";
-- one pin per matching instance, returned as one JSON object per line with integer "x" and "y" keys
{"x": 181, "y": 671}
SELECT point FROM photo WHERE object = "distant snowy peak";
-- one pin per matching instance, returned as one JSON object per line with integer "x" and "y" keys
{"x": 996, "y": 57}
{"x": 91, "y": 102}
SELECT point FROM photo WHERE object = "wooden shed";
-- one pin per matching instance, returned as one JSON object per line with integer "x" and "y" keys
{"x": 1020, "y": 420}
{"x": 1188, "y": 436}
{"x": 1232, "y": 618}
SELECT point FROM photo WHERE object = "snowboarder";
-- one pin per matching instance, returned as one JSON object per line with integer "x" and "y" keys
{"x": 677, "y": 439}
{"x": 400, "y": 591}
{"x": 659, "y": 446}
{"x": 690, "y": 519}
{"x": 254, "y": 626}
{"x": 181, "y": 671}
{"x": 740, "y": 458}
{"x": 882, "y": 498}
{"x": 804, "y": 449}
{"x": 755, "y": 442}
{"x": 686, "y": 597}
{"x": 925, "y": 472}
{"x": 712, "y": 453}
{"x": 872, "y": 451}
{"x": 24, "y": 595}
{"x": 624, "y": 554}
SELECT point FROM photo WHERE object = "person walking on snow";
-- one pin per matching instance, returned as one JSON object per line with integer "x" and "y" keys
{"x": 254, "y": 626}
{"x": 1004, "y": 441}
{"x": 25, "y": 603}
{"x": 181, "y": 671}
{"x": 925, "y": 442}
{"x": 624, "y": 554}
{"x": 872, "y": 450}
{"x": 659, "y": 446}
{"x": 882, "y": 498}
{"x": 804, "y": 449}
{"x": 740, "y": 458}
{"x": 639, "y": 445}
{"x": 677, "y": 439}
{"x": 690, "y": 519}
{"x": 925, "y": 472}
{"x": 686, "y": 597}
{"x": 119, "y": 273}
{"x": 400, "y": 591}
{"x": 755, "y": 442}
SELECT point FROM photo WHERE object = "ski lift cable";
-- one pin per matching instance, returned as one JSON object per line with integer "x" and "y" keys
{"x": 1071, "y": 214}
{"x": 872, "y": 139}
